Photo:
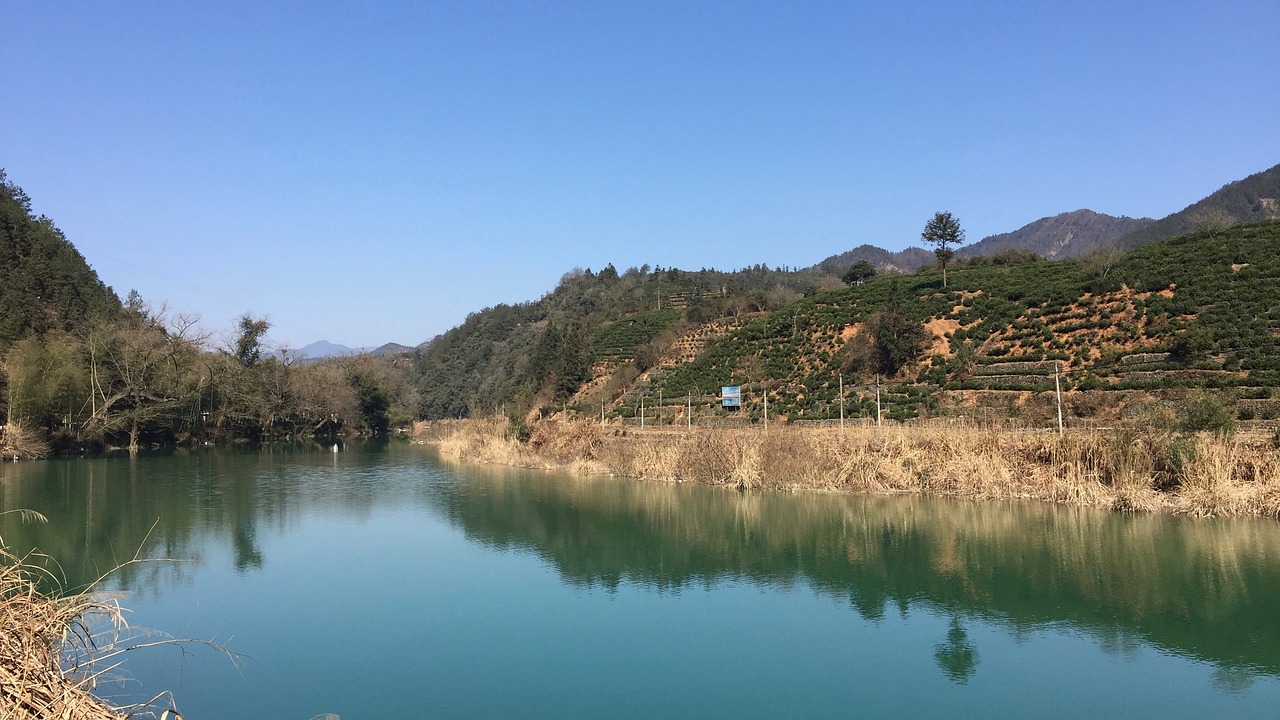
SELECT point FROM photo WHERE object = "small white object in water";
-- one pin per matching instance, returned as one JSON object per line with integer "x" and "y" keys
{"x": 335, "y": 447}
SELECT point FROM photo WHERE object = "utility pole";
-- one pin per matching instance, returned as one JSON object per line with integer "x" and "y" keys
{"x": 642, "y": 411}
{"x": 659, "y": 407}
{"x": 688, "y": 410}
{"x": 842, "y": 402}
{"x": 766, "y": 409}
{"x": 601, "y": 412}
{"x": 877, "y": 401}
{"x": 1057, "y": 389}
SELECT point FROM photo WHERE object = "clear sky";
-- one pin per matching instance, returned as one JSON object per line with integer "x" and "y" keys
{"x": 366, "y": 172}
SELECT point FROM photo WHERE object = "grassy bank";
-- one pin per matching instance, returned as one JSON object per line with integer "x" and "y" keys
{"x": 1129, "y": 470}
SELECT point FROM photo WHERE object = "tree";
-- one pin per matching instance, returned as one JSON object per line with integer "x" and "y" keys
{"x": 139, "y": 373}
{"x": 888, "y": 340}
{"x": 1210, "y": 220}
{"x": 248, "y": 350}
{"x": 859, "y": 272}
{"x": 942, "y": 232}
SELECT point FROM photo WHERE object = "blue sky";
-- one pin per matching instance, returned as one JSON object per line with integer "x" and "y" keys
{"x": 367, "y": 172}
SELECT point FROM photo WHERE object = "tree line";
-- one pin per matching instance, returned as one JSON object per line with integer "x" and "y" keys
{"x": 80, "y": 368}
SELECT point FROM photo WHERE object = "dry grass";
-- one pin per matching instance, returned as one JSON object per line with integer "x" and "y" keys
{"x": 1128, "y": 470}
{"x": 55, "y": 647}
{"x": 39, "y": 632}
{"x": 21, "y": 443}
{"x": 553, "y": 444}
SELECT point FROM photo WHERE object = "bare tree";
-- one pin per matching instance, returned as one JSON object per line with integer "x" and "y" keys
{"x": 141, "y": 371}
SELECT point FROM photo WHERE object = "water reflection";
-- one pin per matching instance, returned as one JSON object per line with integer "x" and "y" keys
{"x": 1204, "y": 590}
{"x": 956, "y": 656}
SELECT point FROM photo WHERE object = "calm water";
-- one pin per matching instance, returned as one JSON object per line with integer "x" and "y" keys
{"x": 380, "y": 583}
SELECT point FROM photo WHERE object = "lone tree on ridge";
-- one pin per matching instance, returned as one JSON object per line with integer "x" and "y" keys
{"x": 942, "y": 232}
{"x": 859, "y": 272}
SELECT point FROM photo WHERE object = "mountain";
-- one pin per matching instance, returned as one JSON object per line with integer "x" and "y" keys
{"x": 1250, "y": 200}
{"x": 390, "y": 349}
{"x": 45, "y": 283}
{"x": 908, "y": 260}
{"x": 1067, "y": 235}
{"x": 1070, "y": 234}
{"x": 321, "y": 349}
{"x": 324, "y": 349}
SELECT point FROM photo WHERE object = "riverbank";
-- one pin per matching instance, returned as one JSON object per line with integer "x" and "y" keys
{"x": 40, "y": 636}
{"x": 1132, "y": 470}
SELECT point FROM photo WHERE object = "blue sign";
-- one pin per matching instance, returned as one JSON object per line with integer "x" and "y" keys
{"x": 731, "y": 396}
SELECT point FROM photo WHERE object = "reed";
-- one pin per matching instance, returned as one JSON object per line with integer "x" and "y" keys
{"x": 44, "y": 644}
{"x": 1126, "y": 470}
{"x": 56, "y": 646}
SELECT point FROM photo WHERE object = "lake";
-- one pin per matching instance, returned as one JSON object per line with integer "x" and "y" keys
{"x": 380, "y": 582}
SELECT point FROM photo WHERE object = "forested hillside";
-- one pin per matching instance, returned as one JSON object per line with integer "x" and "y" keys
{"x": 45, "y": 284}
{"x": 1193, "y": 312}
{"x": 78, "y": 369}
{"x": 541, "y": 353}
{"x": 1252, "y": 199}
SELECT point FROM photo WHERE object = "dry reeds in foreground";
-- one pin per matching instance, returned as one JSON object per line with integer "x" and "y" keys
{"x": 36, "y": 630}
{"x": 55, "y": 647}
{"x": 1127, "y": 470}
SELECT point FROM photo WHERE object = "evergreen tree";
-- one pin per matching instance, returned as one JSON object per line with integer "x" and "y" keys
{"x": 942, "y": 232}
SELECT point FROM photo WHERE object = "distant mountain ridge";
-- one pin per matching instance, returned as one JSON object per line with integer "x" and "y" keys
{"x": 1066, "y": 235}
{"x": 1253, "y": 199}
{"x": 1076, "y": 233}
{"x": 1069, "y": 234}
{"x": 322, "y": 349}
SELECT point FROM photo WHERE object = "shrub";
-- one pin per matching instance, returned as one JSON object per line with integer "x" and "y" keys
{"x": 518, "y": 429}
{"x": 1207, "y": 412}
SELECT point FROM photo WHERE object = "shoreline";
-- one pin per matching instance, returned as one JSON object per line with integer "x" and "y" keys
{"x": 1125, "y": 470}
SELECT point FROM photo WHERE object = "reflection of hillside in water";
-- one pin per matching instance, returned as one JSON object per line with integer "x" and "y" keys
{"x": 183, "y": 504}
{"x": 1203, "y": 589}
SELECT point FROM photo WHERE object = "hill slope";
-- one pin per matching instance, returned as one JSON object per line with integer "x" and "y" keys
{"x": 45, "y": 283}
{"x": 1195, "y": 311}
{"x": 1250, "y": 200}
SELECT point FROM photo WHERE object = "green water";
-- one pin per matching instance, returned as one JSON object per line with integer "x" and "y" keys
{"x": 378, "y": 582}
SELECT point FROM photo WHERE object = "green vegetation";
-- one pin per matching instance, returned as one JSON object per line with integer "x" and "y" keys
{"x": 79, "y": 368}
{"x": 859, "y": 272}
{"x": 540, "y": 354}
{"x": 942, "y": 232}
{"x": 1201, "y": 311}
{"x": 45, "y": 284}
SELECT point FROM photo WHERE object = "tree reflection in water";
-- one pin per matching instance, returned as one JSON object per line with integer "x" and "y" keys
{"x": 956, "y": 656}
